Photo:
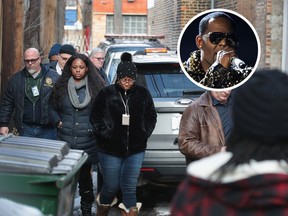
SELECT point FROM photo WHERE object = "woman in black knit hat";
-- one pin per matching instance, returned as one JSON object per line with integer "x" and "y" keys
{"x": 251, "y": 178}
{"x": 123, "y": 118}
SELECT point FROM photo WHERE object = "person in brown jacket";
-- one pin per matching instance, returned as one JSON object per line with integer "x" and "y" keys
{"x": 205, "y": 124}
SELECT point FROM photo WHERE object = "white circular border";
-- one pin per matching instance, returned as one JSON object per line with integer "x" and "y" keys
{"x": 227, "y": 11}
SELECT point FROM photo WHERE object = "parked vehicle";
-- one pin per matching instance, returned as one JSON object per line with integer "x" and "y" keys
{"x": 172, "y": 92}
{"x": 128, "y": 43}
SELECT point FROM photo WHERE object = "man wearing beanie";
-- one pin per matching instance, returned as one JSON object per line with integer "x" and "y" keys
{"x": 205, "y": 125}
{"x": 65, "y": 52}
{"x": 251, "y": 178}
{"x": 53, "y": 53}
{"x": 123, "y": 118}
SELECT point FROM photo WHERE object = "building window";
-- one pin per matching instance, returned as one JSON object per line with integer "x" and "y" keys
{"x": 70, "y": 17}
{"x": 71, "y": 2}
{"x": 131, "y": 24}
{"x": 109, "y": 24}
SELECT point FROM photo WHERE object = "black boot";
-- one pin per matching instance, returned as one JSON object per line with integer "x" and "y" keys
{"x": 86, "y": 212}
{"x": 87, "y": 199}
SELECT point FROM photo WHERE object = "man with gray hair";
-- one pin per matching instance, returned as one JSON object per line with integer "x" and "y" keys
{"x": 97, "y": 56}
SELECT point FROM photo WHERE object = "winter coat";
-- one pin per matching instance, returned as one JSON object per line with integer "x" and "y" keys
{"x": 106, "y": 117}
{"x": 200, "y": 133}
{"x": 13, "y": 100}
{"x": 256, "y": 188}
{"x": 76, "y": 129}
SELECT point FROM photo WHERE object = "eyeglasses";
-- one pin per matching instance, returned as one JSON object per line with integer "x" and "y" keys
{"x": 216, "y": 37}
{"x": 33, "y": 61}
{"x": 99, "y": 59}
{"x": 127, "y": 80}
{"x": 64, "y": 58}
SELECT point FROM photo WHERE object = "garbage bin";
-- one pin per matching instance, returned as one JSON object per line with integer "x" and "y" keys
{"x": 30, "y": 174}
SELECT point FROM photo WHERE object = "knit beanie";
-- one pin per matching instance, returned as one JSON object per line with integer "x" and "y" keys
{"x": 260, "y": 107}
{"x": 54, "y": 50}
{"x": 126, "y": 68}
{"x": 68, "y": 49}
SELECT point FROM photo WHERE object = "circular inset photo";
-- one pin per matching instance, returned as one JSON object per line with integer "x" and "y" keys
{"x": 219, "y": 49}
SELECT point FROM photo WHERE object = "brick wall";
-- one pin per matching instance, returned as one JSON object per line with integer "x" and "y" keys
{"x": 275, "y": 28}
{"x": 265, "y": 15}
{"x": 104, "y": 7}
{"x": 131, "y": 7}
{"x": 163, "y": 19}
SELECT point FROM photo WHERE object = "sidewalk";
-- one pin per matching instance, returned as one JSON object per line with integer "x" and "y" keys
{"x": 77, "y": 211}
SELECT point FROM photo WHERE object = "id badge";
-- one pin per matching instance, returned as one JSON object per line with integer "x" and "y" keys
{"x": 125, "y": 119}
{"x": 35, "y": 91}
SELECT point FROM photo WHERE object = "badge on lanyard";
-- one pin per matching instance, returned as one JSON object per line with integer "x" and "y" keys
{"x": 125, "y": 119}
{"x": 35, "y": 91}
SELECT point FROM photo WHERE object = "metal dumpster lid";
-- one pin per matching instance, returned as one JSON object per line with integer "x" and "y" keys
{"x": 36, "y": 156}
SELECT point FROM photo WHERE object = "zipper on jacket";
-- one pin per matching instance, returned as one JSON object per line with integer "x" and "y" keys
{"x": 127, "y": 140}
{"x": 34, "y": 115}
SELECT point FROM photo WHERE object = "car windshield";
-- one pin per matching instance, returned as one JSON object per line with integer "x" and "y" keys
{"x": 125, "y": 49}
{"x": 169, "y": 85}
{"x": 166, "y": 81}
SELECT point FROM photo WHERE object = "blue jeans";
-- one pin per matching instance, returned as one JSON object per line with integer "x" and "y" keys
{"x": 120, "y": 173}
{"x": 38, "y": 131}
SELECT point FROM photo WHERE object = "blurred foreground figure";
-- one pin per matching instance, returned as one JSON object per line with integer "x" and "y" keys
{"x": 11, "y": 208}
{"x": 251, "y": 177}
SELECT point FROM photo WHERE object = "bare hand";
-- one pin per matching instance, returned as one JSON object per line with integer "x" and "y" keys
{"x": 223, "y": 149}
{"x": 4, "y": 131}
{"x": 223, "y": 57}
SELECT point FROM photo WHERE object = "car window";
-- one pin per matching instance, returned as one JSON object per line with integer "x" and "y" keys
{"x": 168, "y": 85}
{"x": 166, "y": 81}
{"x": 113, "y": 69}
{"x": 124, "y": 49}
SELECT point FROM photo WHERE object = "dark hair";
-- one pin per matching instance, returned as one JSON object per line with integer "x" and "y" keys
{"x": 94, "y": 79}
{"x": 244, "y": 150}
{"x": 203, "y": 25}
{"x": 259, "y": 114}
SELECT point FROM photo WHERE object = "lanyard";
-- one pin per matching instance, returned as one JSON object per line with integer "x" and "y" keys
{"x": 125, "y": 104}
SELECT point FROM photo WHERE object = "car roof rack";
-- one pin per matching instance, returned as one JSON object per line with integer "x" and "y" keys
{"x": 152, "y": 38}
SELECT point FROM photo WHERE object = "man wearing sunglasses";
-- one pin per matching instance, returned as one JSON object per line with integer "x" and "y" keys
{"x": 212, "y": 65}
{"x": 26, "y": 99}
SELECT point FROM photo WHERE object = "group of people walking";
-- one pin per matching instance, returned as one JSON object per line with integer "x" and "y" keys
{"x": 69, "y": 100}
{"x": 235, "y": 143}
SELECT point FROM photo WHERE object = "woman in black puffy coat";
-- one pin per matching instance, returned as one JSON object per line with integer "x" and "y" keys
{"x": 123, "y": 117}
{"x": 71, "y": 102}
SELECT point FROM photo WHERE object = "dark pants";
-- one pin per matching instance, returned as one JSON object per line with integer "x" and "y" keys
{"x": 86, "y": 187}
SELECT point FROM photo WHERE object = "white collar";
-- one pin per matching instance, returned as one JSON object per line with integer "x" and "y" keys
{"x": 58, "y": 69}
{"x": 205, "y": 167}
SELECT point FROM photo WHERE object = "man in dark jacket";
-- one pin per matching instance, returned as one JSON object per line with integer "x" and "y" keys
{"x": 26, "y": 99}
{"x": 97, "y": 56}
{"x": 65, "y": 52}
